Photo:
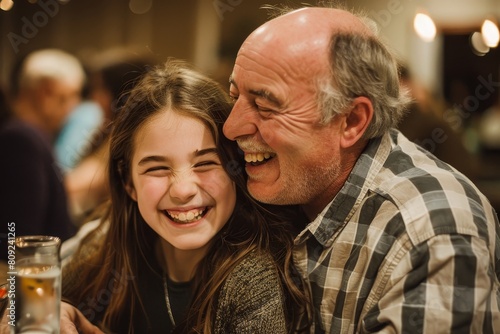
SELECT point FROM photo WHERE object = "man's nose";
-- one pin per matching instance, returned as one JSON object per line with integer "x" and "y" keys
{"x": 241, "y": 121}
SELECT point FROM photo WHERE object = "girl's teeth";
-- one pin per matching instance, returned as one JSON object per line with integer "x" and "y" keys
{"x": 187, "y": 217}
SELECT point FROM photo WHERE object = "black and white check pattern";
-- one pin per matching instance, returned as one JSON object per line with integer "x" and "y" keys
{"x": 409, "y": 245}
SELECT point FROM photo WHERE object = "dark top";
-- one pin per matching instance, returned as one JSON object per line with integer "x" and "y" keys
{"x": 180, "y": 297}
{"x": 153, "y": 316}
{"x": 32, "y": 195}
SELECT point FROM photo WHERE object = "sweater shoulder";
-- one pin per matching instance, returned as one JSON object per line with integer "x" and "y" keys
{"x": 255, "y": 274}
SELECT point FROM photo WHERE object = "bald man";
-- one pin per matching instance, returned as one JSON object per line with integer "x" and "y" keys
{"x": 396, "y": 241}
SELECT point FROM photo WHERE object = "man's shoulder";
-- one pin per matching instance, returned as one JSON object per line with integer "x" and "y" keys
{"x": 409, "y": 171}
{"x": 431, "y": 196}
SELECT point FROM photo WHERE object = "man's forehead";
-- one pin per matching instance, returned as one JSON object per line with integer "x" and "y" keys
{"x": 305, "y": 30}
{"x": 317, "y": 18}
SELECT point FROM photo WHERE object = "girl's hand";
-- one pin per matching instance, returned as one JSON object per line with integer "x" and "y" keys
{"x": 73, "y": 321}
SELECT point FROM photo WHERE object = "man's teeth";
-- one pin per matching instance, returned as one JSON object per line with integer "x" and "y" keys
{"x": 256, "y": 157}
{"x": 187, "y": 216}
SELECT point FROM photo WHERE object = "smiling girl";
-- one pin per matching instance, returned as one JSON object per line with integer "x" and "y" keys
{"x": 183, "y": 246}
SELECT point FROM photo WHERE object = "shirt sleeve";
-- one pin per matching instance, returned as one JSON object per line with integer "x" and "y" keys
{"x": 443, "y": 285}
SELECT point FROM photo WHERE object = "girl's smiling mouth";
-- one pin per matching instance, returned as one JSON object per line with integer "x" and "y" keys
{"x": 188, "y": 216}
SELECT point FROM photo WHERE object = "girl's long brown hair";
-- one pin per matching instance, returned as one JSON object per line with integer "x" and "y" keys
{"x": 252, "y": 226}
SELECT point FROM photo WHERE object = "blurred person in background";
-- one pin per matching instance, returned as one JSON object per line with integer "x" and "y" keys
{"x": 113, "y": 74}
{"x": 32, "y": 195}
{"x": 45, "y": 87}
{"x": 425, "y": 125}
{"x": 489, "y": 131}
{"x": 49, "y": 90}
{"x": 80, "y": 126}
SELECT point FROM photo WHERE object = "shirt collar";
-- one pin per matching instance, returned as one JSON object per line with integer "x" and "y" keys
{"x": 338, "y": 212}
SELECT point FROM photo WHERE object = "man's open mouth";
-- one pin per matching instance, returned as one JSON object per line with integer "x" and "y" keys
{"x": 256, "y": 159}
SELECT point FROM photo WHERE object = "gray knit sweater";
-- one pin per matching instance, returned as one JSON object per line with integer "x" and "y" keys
{"x": 251, "y": 300}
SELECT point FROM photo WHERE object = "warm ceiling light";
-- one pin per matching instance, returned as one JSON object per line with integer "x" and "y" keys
{"x": 490, "y": 33}
{"x": 478, "y": 45}
{"x": 6, "y": 4}
{"x": 140, "y": 6}
{"x": 425, "y": 27}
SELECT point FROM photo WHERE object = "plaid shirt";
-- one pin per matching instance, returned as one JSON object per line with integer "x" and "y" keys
{"x": 409, "y": 245}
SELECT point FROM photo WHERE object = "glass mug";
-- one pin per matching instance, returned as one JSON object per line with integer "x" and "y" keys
{"x": 38, "y": 285}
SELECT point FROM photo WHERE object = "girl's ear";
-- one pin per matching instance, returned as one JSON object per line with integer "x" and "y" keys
{"x": 129, "y": 187}
{"x": 126, "y": 180}
{"x": 356, "y": 121}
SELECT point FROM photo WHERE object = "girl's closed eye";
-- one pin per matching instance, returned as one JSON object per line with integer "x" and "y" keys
{"x": 207, "y": 165}
{"x": 157, "y": 170}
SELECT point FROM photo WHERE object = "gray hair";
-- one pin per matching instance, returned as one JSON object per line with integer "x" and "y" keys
{"x": 51, "y": 64}
{"x": 362, "y": 66}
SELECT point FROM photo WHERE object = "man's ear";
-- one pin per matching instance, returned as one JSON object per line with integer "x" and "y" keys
{"x": 129, "y": 187}
{"x": 356, "y": 121}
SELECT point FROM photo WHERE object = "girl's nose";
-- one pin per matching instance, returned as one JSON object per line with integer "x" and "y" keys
{"x": 184, "y": 186}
